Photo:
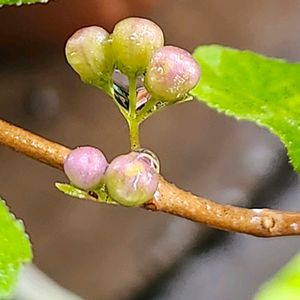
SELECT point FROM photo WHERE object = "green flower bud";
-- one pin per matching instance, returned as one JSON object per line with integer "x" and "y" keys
{"x": 171, "y": 74}
{"x": 88, "y": 52}
{"x": 134, "y": 40}
{"x": 131, "y": 179}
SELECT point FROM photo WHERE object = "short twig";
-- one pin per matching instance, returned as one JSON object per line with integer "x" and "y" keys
{"x": 168, "y": 198}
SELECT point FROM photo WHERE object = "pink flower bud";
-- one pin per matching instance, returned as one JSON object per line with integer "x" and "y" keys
{"x": 171, "y": 73}
{"x": 85, "y": 167}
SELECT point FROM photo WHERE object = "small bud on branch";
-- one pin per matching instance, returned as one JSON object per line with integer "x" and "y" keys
{"x": 168, "y": 198}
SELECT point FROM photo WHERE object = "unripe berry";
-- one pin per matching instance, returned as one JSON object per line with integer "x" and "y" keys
{"x": 134, "y": 40}
{"x": 171, "y": 73}
{"x": 88, "y": 52}
{"x": 131, "y": 180}
{"x": 85, "y": 167}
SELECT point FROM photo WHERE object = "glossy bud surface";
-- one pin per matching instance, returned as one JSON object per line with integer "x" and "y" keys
{"x": 134, "y": 40}
{"x": 171, "y": 73}
{"x": 131, "y": 180}
{"x": 85, "y": 167}
{"x": 88, "y": 52}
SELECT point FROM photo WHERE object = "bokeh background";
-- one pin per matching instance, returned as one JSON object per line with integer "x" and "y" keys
{"x": 112, "y": 253}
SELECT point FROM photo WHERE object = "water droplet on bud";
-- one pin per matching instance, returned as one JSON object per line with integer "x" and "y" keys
{"x": 150, "y": 157}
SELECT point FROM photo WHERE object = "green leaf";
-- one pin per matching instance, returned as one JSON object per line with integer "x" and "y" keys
{"x": 20, "y": 2}
{"x": 252, "y": 87}
{"x": 284, "y": 285}
{"x": 98, "y": 194}
{"x": 15, "y": 249}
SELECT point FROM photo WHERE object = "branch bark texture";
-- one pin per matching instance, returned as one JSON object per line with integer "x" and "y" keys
{"x": 168, "y": 198}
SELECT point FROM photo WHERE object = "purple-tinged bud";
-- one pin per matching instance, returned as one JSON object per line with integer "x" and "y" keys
{"x": 88, "y": 52}
{"x": 134, "y": 40}
{"x": 171, "y": 74}
{"x": 85, "y": 167}
{"x": 131, "y": 180}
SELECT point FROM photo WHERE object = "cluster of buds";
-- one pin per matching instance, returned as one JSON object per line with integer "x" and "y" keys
{"x": 135, "y": 47}
{"x": 130, "y": 179}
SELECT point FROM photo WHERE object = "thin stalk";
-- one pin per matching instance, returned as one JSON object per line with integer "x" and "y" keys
{"x": 168, "y": 198}
{"x": 134, "y": 133}
{"x": 133, "y": 123}
{"x": 110, "y": 92}
{"x": 146, "y": 110}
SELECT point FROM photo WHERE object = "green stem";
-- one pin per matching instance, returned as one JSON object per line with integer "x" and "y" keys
{"x": 134, "y": 133}
{"x": 146, "y": 110}
{"x": 133, "y": 123}
{"x": 110, "y": 92}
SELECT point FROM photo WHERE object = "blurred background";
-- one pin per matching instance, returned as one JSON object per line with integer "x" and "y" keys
{"x": 112, "y": 253}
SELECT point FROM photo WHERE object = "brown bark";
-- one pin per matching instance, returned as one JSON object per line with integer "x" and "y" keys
{"x": 168, "y": 198}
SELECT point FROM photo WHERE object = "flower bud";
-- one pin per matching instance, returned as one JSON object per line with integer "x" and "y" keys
{"x": 171, "y": 73}
{"x": 88, "y": 52}
{"x": 85, "y": 167}
{"x": 131, "y": 180}
{"x": 133, "y": 42}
